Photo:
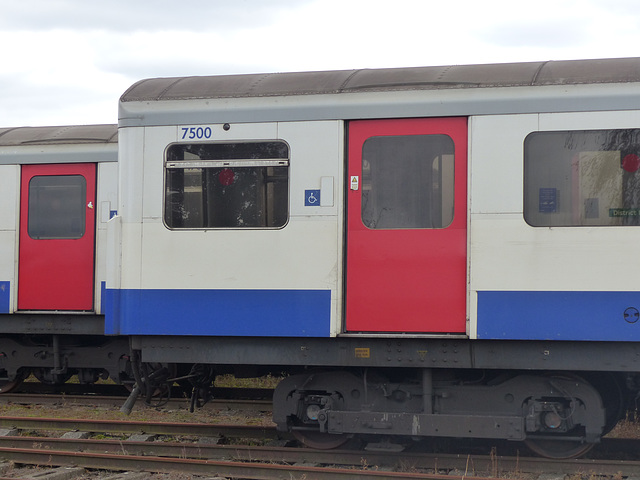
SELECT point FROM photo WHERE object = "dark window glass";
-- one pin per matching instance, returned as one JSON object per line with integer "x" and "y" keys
{"x": 576, "y": 178}
{"x": 408, "y": 181}
{"x": 227, "y": 185}
{"x": 57, "y": 207}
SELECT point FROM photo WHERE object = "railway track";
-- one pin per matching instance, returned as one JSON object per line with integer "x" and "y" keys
{"x": 245, "y": 393}
{"x": 200, "y": 449}
{"x": 272, "y": 463}
{"x": 201, "y": 453}
{"x": 256, "y": 405}
{"x": 139, "y": 427}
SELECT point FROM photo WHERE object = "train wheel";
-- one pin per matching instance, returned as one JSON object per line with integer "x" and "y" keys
{"x": 7, "y": 386}
{"x": 613, "y": 398}
{"x": 563, "y": 448}
{"x": 320, "y": 440}
{"x": 558, "y": 449}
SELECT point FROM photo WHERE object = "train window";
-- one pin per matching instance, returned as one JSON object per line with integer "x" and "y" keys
{"x": 227, "y": 185}
{"x": 408, "y": 181}
{"x": 57, "y": 207}
{"x": 582, "y": 178}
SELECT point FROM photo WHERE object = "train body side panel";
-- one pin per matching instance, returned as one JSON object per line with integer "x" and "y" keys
{"x": 234, "y": 281}
{"x": 106, "y": 207}
{"x": 9, "y": 182}
{"x": 544, "y": 283}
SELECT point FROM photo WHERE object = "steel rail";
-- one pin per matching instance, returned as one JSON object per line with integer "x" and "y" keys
{"x": 471, "y": 464}
{"x": 116, "y": 401}
{"x": 120, "y": 391}
{"x": 137, "y": 427}
{"x": 259, "y": 471}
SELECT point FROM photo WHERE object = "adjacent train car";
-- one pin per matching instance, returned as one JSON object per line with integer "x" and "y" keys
{"x": 59, "y": 189}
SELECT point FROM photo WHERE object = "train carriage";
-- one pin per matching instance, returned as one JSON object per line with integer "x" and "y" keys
{"x": 59, "y": 189}
{"x": 439, "y": 251}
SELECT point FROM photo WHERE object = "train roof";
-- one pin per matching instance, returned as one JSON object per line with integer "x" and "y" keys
{"x": 70, "y": 134}
{"x": 572, "y": 72}
{"x": 445, "y": 90}
{"x": 64, "y": 144}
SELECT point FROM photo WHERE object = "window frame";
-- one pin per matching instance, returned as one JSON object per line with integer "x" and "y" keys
{"x": 445, "y": 195}
{"x": 226, "y": 163}
{"x": 35, "y": 217}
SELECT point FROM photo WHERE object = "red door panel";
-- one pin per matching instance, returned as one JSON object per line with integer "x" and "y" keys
{"x": 406, "y": 226}
{"x": 57, "y": 237}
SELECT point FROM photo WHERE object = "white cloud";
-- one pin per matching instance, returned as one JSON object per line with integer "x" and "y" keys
{"x": 139, "y": 15}
{"x": 68, "y": 61}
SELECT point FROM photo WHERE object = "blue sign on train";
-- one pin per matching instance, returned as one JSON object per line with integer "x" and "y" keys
{"x": 548, "y": 200}
{"x": 312, "y": 198}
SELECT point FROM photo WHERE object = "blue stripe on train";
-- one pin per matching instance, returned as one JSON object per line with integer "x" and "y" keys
{"x": 287, "y": 313}
{"x": 5, "y": 297}
{"x": 598, "y": 316}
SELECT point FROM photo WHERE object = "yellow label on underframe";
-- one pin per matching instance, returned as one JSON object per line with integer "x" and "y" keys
{"x": 362, "y": 353}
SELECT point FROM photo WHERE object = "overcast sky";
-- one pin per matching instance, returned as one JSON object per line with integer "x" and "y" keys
{"x": 68, "y": 61}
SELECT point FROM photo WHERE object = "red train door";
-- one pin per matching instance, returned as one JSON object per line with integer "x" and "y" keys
{"x": 406, "y": 226}
{"x": 57, "y": 236}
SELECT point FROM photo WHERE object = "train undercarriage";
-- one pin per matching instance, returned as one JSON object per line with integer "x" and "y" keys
{"x": 558, "y": 397}
{"x": 557, "y": 413}
{"x": 54, "y": 359}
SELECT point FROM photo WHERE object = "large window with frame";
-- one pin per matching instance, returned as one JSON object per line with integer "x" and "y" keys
{"x": 408, "y": 181}
{"x": 227, "y": 185}
{"x": 582, "y": 178}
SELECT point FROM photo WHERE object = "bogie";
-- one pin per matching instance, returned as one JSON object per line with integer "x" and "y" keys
{"x": 536, "y": 408}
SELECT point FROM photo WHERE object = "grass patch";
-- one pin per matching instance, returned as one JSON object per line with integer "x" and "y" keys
{"x": 230, "y": 381}
{"x": 626, "y": 428}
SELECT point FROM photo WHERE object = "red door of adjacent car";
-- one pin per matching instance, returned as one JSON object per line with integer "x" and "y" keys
{"x": 57, "y": 237}
{"x": 406, "y": 226}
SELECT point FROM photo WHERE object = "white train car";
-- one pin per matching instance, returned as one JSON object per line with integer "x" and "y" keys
{"x": 404, "y": 231}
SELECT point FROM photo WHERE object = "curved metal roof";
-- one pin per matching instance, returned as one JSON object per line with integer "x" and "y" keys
{"x": 68, "y": 144}
{"x": 73, "y": 134}
{"x": 571, "y": 72}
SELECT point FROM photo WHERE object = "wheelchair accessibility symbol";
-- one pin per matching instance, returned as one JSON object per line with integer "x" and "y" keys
{"x": 312, "y": 198}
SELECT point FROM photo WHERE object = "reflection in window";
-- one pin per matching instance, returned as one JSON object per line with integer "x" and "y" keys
{"x": 576, "y": 178}
{"x": 57, "y": 207}
{"x": 408, "y": 181}
{"x": 227, "y": 185}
